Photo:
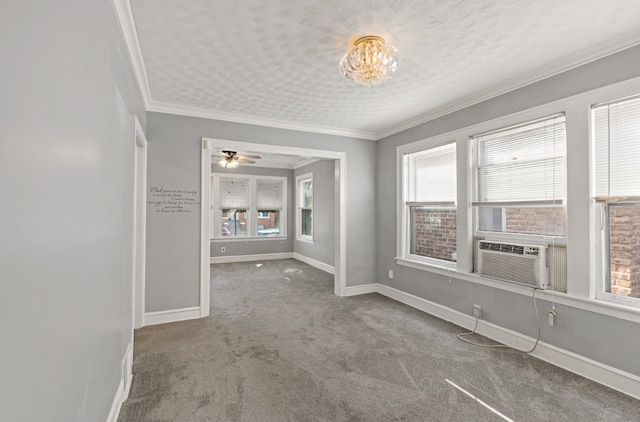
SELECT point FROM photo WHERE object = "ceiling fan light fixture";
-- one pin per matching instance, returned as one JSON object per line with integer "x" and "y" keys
{"x": 370, "y": 61}
{"x": 228, "y": 163}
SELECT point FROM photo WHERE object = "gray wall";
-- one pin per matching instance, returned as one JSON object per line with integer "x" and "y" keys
{"x": 323, "y": 246}
{"x": 602, "y": 338}
{"x": 173, "y": 248}
{"x": 262, "y": 246}
{"x": 66, "y": 183}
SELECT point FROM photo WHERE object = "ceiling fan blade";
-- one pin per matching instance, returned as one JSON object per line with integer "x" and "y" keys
{"x": 251, "y": 157}
{"x": 245, "y": 160}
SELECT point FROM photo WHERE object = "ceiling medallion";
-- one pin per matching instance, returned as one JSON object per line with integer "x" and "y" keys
{"x": 370, "y": 61}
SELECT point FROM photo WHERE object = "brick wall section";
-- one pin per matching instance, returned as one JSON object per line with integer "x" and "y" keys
{"x": 435, "y": 233}
{"x": 625, "y": 249}
{"x": 546, "y": 221}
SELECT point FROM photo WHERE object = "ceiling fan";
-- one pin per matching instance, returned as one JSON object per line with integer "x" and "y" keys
{"x": 231, "y": 159}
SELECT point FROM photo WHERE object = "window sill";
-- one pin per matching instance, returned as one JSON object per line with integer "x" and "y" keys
{"x": 608, "y": 308}
{"x": 246, "y": 238}
{"x": 305, "y": 239}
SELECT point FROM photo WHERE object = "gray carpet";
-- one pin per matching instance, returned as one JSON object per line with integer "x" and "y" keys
{"x": 279, "y": 346}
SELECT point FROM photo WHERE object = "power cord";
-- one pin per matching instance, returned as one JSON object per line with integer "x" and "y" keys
{"x": 462, "y": 336}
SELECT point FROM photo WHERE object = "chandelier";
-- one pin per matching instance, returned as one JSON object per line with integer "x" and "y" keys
{"x": 370, "y": 61}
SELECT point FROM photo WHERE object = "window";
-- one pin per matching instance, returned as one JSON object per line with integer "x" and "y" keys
{"x": 248, "y": 206}
{"x": 269, "y": 203}
{"x": 304, "y": 217}
{"x": 520, "y": 177}
{"x": 234, "y": 202}
{"x": 430, "y": 204}
{"x": 616, "y": 142}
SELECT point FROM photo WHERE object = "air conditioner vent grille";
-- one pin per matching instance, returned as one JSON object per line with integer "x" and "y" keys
{"x": 502, "y": 247}
{"x": 524, "y": 264}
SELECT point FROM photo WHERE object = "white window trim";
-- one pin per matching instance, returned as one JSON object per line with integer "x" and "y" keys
{"x": 299, "y": 236}
{"x": 404, "y": 209}
{"x": 252, "y": 211}
{"x": 585, "y": 283}
{"x": 535, "y": 239}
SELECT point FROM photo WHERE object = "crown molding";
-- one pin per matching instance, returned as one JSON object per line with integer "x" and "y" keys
{"x": 569, "y": 63}
{"x": 190, "y": 111}
{"x": 306, "y": 162}
{"x": 127, "y": 26}
{"x": 129, "y": 33}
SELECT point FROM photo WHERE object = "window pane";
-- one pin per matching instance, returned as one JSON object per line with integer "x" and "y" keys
{"x": 432, "y": 175}
{"x": 624, "y": 249}
{"x": 268, "y": 223}
{"x": 269, "y": 194}
{"x": 616, "y": 132}
{"x": 433, "y": 232}
{"x": 234, "y": 222}
{"x": 546, "y": 221}
{"x": 234, "y": 193}
{"x": 307, "y": 222}
{"x": 307, "y": 194}
{"x": 525, "y": 163}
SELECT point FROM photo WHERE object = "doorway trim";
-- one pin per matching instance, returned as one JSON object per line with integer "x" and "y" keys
{"x": 340, "y": 238}
{"x": 139, "y": 224}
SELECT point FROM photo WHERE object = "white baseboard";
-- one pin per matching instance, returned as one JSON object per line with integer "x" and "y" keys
{"x": 127, "y": 366}
{"x": 172, "y": 315}
{"x": 124, "y": 386}
{"x": 614, "y": 378}
{"x": 315, "y": 263}
{"x": 249, "y": 258}
{"x": 361, "y": 290}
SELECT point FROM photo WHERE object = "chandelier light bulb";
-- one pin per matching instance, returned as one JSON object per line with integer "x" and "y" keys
{"x": 370, "y": 61}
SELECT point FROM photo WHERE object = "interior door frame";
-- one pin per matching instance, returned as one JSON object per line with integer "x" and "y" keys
{"x": 139, "y": 224}
{"x": 340, "y": 237}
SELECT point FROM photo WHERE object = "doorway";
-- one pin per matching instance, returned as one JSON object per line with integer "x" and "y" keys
{"x": 209, "y": 145}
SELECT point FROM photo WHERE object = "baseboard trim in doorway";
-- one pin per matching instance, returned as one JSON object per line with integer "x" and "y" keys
{"x": 361, "y": 290}
{"x": 249, "y": 258}
{"x": 124, "y": 385}
{"x": 172, "y": 315}
{"x": 315, "y": 263}
{"x": 609, "y": 376}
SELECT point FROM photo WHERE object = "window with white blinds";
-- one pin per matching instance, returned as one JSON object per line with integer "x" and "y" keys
{"x": 269, "y": 194}
{"x": 616, "y": 130}
{"x": 234, "y": 193}
{"x": 432, "y": 175}
{"x": 616, "y": 147}
{"x": 522, "y": 164}
{"x": 430, "y": 205}
{"x": 248, "y": 206}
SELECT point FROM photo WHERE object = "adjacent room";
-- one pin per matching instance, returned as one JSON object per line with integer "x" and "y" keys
{"x": 360, "y": 210}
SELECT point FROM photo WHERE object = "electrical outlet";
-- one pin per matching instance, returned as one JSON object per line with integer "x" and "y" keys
{"x": 477, "y": 311}
{"x": 552, "y": 317}
{"x": 390, "y": 274}
{"x": 223, "y": 249}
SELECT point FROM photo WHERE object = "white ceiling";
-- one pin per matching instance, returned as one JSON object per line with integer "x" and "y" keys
{"x": 275, "y": 63}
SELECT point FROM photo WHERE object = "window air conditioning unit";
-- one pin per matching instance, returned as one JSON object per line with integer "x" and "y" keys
{"x": 525, "y": 264}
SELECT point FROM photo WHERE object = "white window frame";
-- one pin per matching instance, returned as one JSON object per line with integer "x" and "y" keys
{"x": 602, "y": 265}
{"x": 299, "y": 181}
{"x": 406, "y": 235}
{"x": 582, "y": 230}
{"x": 252, "y": 210}
{"x": 525, "y": 238}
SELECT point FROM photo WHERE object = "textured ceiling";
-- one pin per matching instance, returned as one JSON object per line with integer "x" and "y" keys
{"x": 276, "y": 62}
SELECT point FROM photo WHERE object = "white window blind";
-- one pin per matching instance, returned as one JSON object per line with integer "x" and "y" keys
{"x": 234, "y": 193}
{"x": 616, "y": 129}
{"x": 269, "y": 194}
{"x": 522, "y": 164}
{"x": 432, "y": 175}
